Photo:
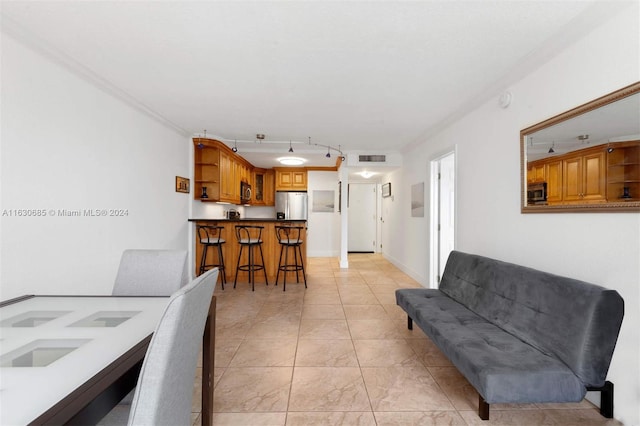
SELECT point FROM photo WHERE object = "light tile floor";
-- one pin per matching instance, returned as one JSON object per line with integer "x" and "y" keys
{"x": 340, "y": 353}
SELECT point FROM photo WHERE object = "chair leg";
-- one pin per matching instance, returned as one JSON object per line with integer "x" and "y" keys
{"x": 223, "y": 280}
{"x": 295, "y": 259}
{"x": 252, "y": 275}
{"x": 203, "y": 259}
{"x": 235, "y": 280}
{"x": 279, "y": 264}
{"x": 304, "y": 274}
{"x": 264, "y": 269}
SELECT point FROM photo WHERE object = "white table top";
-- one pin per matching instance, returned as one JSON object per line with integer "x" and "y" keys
{"x": 69, "y": 339}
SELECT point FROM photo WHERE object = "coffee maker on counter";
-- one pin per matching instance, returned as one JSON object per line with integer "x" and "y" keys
{"x": 233, "y": 214}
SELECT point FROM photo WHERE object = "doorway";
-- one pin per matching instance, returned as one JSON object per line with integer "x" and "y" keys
{"x": 443, "y": 214}
{"x": 362, "y": 217}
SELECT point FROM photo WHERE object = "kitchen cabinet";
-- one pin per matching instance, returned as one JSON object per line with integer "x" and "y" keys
{"x": 291, "y": 179}
{"x": 553, "y": 173}
{"x": 584, "y": 177}
{"x": 206, "y": 173}
{"x": 230, "y": 184}
{"x": 263, "y": 187}
{"x": 270, "y": 188}
{"x": 576, "y": 177}
{"x": 623, "y": 171}
{"x": 536, "y": 172}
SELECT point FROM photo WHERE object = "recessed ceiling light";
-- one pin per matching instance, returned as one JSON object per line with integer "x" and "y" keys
{"x": 291, "y": 161}
{"x": 366, "y": 174}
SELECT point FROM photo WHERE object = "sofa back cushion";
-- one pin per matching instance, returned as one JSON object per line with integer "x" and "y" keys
{"x": 569, "y": 319}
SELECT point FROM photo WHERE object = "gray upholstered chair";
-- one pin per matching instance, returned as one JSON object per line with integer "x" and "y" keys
{"x": 165, "y": 386}
{"x": 151, "y": 273}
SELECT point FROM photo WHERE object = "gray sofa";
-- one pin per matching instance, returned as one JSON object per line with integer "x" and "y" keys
{"x": 517, "y": 334}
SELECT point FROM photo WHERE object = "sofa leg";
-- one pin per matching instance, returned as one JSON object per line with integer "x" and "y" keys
{"x": 409, "y": 323}
{"x": 483, "y": 408}
{"x": 606, "y": 399}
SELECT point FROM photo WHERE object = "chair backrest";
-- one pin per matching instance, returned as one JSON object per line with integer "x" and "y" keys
{"x": 165, "y": 386}
{"x": 151, "y": 273}
{"x": 210, "y": 234}
{"x": 290, "y": 235}
{"x": 249, "y": 234}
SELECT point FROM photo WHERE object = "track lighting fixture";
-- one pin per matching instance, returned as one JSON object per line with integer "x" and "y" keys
{"x": 290, "y": 147}
{"x": 328, "y": 153}
{"x": 235, "y": 146}
{"x": 551, "y": 150}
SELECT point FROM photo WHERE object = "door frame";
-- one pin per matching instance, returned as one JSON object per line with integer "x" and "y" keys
{"x": 434, "y": 240}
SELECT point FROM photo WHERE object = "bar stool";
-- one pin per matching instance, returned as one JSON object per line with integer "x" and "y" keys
{"x": 290, "y": 238}
{"x": 250, "y": 236}
{"x": 211, "y": 236}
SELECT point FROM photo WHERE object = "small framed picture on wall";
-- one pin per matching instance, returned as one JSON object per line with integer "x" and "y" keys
{"x": 386, "y": 190}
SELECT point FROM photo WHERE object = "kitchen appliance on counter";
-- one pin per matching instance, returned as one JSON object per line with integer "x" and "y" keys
{"x": 537, "y": 193}
{"x": 245, "y": 192}
{"x": 291, "y": 205}
{"x": 233, "y": 214}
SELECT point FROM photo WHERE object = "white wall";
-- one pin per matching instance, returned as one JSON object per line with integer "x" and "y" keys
{"x": 599, "y": 248}
{"x": 323, "y": 234}
{"x": 69, "y": 145}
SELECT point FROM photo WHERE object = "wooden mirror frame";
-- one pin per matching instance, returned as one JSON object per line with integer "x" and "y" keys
{"x": 616, "y": 206}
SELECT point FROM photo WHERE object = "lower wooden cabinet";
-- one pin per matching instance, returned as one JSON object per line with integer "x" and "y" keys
{"x": 231, "y": 249}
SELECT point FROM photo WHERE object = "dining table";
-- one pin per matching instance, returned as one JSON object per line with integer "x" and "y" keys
{"x": 70, "y": 359}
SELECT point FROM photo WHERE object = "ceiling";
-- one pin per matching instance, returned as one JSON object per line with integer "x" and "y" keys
{"x": 369, "y": 77}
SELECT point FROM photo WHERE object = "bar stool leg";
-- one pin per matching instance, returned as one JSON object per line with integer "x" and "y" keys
{"x": 203, "y": 259}
{"x": 264, "y": 268}
{"x": 223, "y": 279}
{"x": 286, "y": 267}
{"x": 235, "y": 280}
{"x": 304, "y": 275}
{"x": 282, "y": 247}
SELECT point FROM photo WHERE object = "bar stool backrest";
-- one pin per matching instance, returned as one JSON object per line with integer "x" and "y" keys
{"x": 249, "y": 234}
{"x": 208, "y": 234}
{"x": 291, "y": 235}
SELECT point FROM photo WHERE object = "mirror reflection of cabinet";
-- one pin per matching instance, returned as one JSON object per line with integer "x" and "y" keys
{"x": 584, "y": 177}
{"x": 589, "y": 156}
{"x": 623, "y": 171}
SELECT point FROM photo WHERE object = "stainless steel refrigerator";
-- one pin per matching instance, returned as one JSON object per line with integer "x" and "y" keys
{"x": 293, "y": 205}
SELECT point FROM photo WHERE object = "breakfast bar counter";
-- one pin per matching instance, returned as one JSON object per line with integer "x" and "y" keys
{"x": 231, "y": 248}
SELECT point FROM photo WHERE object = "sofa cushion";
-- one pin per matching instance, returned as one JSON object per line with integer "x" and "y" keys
{"x": 573, "y": 321}
{"x": 501, "y": 367}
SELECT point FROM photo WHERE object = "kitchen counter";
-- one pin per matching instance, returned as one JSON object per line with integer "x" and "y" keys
{"x": 231, "y": 248}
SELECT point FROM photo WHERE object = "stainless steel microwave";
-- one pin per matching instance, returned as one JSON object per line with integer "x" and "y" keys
{"x": 537, "y": 193}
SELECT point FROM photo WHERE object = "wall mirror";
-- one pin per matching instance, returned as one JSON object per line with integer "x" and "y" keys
{"x": 586, "y": 159}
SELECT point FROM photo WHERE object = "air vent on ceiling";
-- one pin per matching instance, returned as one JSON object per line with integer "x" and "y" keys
{"x": 372, "y": 158}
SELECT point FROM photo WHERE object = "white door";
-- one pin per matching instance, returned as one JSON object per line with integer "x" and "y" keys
{"x": 443, "y": 214}
{"x": 362, "y": 217}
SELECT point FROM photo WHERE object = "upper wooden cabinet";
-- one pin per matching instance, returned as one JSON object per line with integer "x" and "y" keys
{"x": 218, "y": 172}
{"x": 291, "y": 179}
{"x": 262, "y": 182}
{"x": 206, "y": 173}
{"x": 604, "y": 173}
{"x": 623, "y": 171}
{"x": 584, "y": 177}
